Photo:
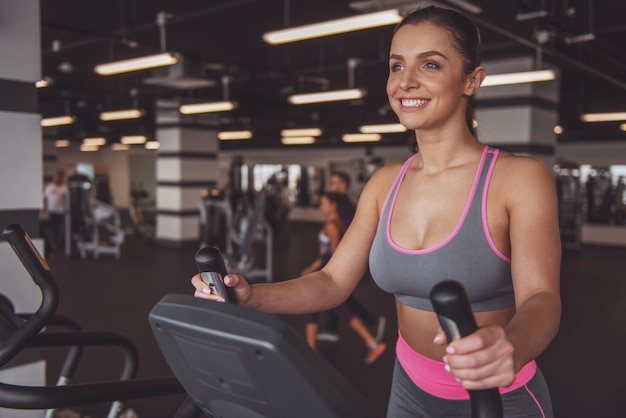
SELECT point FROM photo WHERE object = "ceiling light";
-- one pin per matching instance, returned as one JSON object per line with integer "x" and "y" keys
{"x": 333, "y": 27}
{"x": 297, "y": 140}
{"x": 603, "y": 117}
{"x": 116, "y": 146}
{"x": 44, "y": 82}
{"x": 558, "y": 130}
{"x": 133, "y": 139}
{"x": 518, "y": 78}
{"x": 58, "y": 121}
{"x": 62, "y": 143}
{"x": 382, "y": 129}
{"x": 121, "y": 114}
{"x": 361, "y": 138}
{"x": 301, "y": 132}
{"x": 623, "y": 127}
{"x": 136, "y": 64}
{"x": 224, "y": 106}
{"x": 152, "y": 145}
{"x": 327, "y": 96}
{"x": 233, "y": 135}
{"x": 89, "y": 148}
{"x": 99, "y": 141}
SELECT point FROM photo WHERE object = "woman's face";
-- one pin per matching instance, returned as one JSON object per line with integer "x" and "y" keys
{"x": 326, "y": 206}
{"x": 426, "y": 84}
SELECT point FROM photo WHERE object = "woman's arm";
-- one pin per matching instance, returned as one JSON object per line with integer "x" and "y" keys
{"x": 493, "y": 355}
{"x": 330, "y": 286}
{"x": 535, "y": 260}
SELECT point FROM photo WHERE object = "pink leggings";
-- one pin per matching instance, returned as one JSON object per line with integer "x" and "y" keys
{"x": 423, "y": 388}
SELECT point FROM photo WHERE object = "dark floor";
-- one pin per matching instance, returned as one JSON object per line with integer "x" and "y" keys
{"x": 584, "y": 366}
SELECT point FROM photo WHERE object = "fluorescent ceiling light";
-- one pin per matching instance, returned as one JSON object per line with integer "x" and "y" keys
{"x": 136, "y": 64}
{"x": 58, "y": 121}
{"x": 121, "y": 114}
{"x": 603, "y": 117}
{"x": 89, "y": 148}
{"x": 297, "y": 140}
{"x": 133, "y": 139}
{"x": 382, "y": 129}
{"x": 152, "y": 145}
{"x": 361, "y": 138}
{"x": 99, "y": 141}
{"x": 327, "y": 96}
{"x": 333, "y": 27}
{"x": 233, "y": 135}
{"x": 518, "y": 78}
{"x": 301, "y": 132}
{"x": 190, "y": 109}
{"x": 62, "y": 143}
{"x": 116, "y": 146}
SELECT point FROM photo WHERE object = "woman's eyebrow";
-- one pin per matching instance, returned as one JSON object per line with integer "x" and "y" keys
{"x": 424, "y": 54}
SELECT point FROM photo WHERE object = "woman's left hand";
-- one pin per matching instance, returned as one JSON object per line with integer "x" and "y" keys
{"x": 483, "y": 359}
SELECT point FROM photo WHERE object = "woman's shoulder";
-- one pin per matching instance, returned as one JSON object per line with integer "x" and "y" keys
{"x": 517, "y": 165}
{"x": 520, "y": 174}
{"x": 379, "y": 184}
{"x": 385, "y": 175}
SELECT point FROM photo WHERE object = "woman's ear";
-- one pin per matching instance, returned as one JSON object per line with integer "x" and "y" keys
{"x": 474, "y": 80}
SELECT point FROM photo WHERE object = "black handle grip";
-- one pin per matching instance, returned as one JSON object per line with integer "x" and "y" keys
{"x": 212, "y": 269}
{"x": 41, "y": 275}
{"x": 456, "y": 318}
{"x": 29, "y": 256}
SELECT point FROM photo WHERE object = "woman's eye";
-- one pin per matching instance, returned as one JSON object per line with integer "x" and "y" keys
{"x": 431, "y": 66}
{"x": 396, "y": 67}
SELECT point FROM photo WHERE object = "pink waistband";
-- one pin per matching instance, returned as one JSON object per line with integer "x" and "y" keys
{"x": 430, "y": 375}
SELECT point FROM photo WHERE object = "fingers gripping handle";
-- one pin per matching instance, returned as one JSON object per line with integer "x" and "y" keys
{"x": 212, "y": 269}
{"x": 456, "y": 318}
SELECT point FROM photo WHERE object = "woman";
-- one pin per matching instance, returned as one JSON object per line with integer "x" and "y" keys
{"x": 328, "y": 239}
{"x": 455, "y": 210}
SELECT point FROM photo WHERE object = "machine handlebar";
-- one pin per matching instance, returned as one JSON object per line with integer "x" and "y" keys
{"x": 456, "y": 318}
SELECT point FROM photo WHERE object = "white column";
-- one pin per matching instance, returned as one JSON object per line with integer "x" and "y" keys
{"x": 187, "y": 164}
{"x": 519, "y": 118}
{"x": 20, "y": 168}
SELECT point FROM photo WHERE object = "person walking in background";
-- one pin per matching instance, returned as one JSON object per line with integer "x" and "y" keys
{"x": 455, "y": 209}
{"x": 54, "y": 197}
{"x": 328, "y": 239}
{"x": 339, "y": 182}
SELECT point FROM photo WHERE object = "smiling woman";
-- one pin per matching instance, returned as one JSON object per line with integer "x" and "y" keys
{"x": 451, "y": 211}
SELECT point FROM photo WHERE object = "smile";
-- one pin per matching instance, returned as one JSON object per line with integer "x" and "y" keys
{"x": 413, "y": 102}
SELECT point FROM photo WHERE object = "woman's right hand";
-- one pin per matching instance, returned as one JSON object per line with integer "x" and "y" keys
{"x": 241, "y": 287}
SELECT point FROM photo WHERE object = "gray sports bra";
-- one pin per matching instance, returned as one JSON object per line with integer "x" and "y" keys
{"x": 468, "y": 255}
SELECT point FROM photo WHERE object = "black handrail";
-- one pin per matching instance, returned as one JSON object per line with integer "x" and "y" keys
{"x": 455, "y": 315}
{"x": 47, "y": 397}
{"x": 41, "y": 275}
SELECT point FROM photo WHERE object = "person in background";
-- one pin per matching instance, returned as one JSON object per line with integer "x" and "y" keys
{"x": 339, "y": 182}
{"x": 328, "y": 239}
{"x": 54, "y": 197}
{"x": 455, "y": 209}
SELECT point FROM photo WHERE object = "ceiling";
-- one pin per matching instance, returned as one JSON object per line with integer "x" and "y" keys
{"x": 222, "y": 40}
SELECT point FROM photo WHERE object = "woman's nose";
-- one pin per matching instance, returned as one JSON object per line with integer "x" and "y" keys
{"x": 409, "y": 81}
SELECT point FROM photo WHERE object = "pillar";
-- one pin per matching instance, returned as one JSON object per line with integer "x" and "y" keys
{"x": 21, "y": 187}
{"x": 519, "y": 118}
{"x": 187, "y": 165}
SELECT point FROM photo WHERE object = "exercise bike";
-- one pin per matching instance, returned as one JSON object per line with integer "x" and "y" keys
{"x": 236, "y": 362}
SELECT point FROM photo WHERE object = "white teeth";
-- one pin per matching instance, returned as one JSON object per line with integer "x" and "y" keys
{"x": 413, "y": 102}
